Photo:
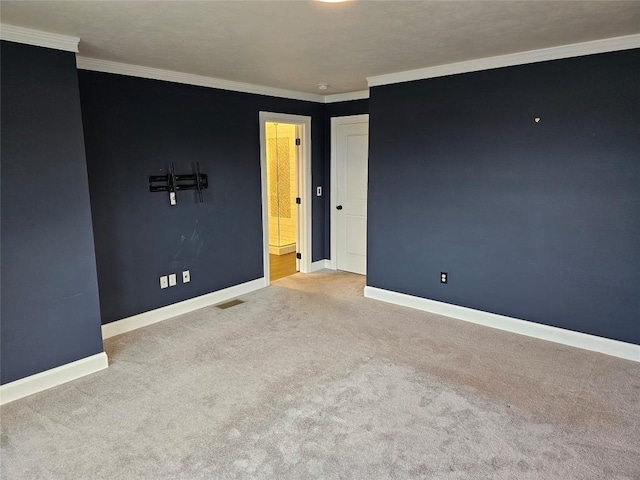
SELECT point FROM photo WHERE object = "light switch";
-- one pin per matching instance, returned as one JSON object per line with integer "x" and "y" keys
{"x": 172, "y": 280}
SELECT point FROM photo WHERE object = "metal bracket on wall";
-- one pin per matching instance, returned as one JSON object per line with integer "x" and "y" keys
{"x": 172, "y": 183}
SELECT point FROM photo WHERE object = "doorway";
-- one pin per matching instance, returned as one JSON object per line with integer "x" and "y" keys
{"x": 349, "y": 180}
{"x": 282, "y": 193}
{"x": 285, "y": 154}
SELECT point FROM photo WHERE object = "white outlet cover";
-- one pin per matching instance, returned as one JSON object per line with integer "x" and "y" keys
{"x": 172, "y": 280}
{"x": 164, "y": 282}
{"x": 319, "y": 191}
{"x": 186, "y": 276}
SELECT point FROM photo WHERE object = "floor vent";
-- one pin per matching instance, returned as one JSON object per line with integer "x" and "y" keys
{"x": 230, "y": 304}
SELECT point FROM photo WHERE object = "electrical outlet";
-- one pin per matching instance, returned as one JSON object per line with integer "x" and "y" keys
{"x": 164, "y": 281}
{"x": 444, "y": 277}
{"x": 186, "y": 276}
{"x": 172, "y": 280}
{"x": 318, "y": 191}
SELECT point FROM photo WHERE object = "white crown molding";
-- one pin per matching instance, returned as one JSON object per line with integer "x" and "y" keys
{"x": 28, "y": 36}
{"x": 615, "y": 348}
{"x": 345, "y": 97}
{"x": 51, "y": 378}
{"x": 521, "y": 58}
{"x": 159, "y": 314}
{"x": 106, "y": 66}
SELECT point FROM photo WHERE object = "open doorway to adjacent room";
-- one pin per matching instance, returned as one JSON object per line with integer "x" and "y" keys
{"x": 286, "y": 212}
{"x": 282, "y": 194}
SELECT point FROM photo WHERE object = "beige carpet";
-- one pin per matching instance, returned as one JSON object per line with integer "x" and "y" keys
{"x": 307, "y": 379}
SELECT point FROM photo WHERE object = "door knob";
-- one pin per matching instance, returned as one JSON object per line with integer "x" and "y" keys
{"x": 339, "y": 207}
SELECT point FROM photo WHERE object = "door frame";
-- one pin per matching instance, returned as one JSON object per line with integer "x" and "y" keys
{"x": 335, "y": 121}
{"x": 304, "y": 181}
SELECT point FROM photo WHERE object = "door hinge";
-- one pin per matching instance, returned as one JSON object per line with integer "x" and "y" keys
{"x": 297, "y": 141}
{"x": 298, "y": 200}
{"x": 298, "y": 256}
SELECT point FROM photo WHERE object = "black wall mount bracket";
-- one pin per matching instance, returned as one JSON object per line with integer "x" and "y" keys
{"x": 172, "y": 183}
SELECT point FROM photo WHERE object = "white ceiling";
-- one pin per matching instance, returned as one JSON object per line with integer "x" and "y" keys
{"x": 296, "y": 45}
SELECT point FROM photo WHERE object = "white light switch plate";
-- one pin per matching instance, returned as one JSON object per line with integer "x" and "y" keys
{"x": 186, "y": 276}
{"x": 172, "y": 280}
{"x": 318, "y": 191}
{"x": 164, "y": 282}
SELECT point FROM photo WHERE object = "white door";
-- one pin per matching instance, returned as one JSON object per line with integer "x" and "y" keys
{"x": 299, "y": 189}
{"x": 351, "y": 137}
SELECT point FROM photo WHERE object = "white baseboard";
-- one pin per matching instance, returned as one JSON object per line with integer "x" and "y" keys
{"x": 319, "y": 265}
{"x": 154, "y": 316}
{"x": 50, "y": 378}
{"x": 585, "y": 341}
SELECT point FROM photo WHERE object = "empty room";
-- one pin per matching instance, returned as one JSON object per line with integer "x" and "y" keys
{"x": 320, "y": 239}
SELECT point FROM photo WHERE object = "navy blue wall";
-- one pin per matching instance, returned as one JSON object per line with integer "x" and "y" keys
{"x": 50, "y": 310}
{"x": 337, "y": 109}
{"x": 135, "y": 128}
{"x": 344, "y": 109}
{"x": 539, "y": 221}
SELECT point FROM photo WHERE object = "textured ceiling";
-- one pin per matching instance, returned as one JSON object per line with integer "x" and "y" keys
{"x": 296, "y": 45}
